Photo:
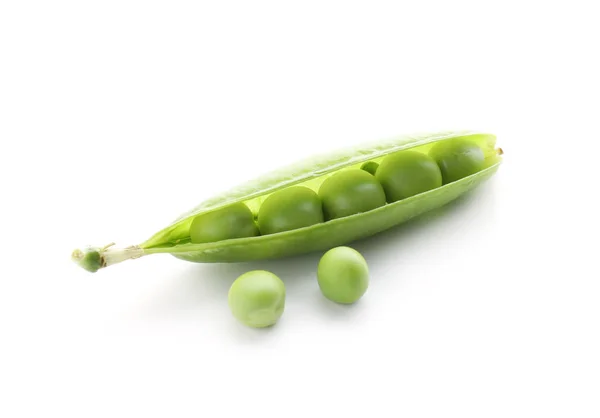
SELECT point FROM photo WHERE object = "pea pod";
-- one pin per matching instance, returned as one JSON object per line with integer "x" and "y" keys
{"x": 175, "y": 238}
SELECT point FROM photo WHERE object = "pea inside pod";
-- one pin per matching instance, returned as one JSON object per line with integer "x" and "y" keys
{"x": 235, "y": 221}
{"x": 458, "y": 158}
{"x": 408, "y": 173}
{"x": 370, "y": 167}
{"x": 291, "y": 208}
{"x": 350, "y": 192}
{"x": 354, "y": 202}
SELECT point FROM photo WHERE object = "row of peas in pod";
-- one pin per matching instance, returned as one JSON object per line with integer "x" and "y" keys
{"x": 345, "y": 193}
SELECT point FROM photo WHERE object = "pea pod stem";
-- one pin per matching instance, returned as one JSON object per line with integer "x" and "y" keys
{"x": 94, "y": 258}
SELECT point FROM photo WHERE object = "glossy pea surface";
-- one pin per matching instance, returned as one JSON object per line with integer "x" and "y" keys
{"x": 343, "y": 275}
{"x": 350, "y": 192}
{"x": 234, "y": 221}
{"x": 257, "y": 298}
{"x": 291, "y": 208}
{"x": 408, "y": 173}
{"x": 458, "y": 158}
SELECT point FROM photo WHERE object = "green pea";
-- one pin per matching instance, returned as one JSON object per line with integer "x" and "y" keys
{"x": 370, "y": 167}
{"x": 343, "y": 275}
{"x": 350, "y": 192}
{"x": 408, "y": 173}
{"x": 458, "y": 158}
{"x": 257, "y": 298}
{"x": 291, "y": 208}
{"x": 234, "y": 221}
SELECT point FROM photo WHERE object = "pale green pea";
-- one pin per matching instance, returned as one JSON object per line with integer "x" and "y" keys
{"x": 408, "y": 173}
{"x": 458, "y": 158}
{"x": 291, "y": 208}
{"x": 350, "y": 192}
{"x": 343, "y": 275}
{"x": 257, "y": 298}
{"x": 234, "y": 221}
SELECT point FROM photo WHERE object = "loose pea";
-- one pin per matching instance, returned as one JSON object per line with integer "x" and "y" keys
{"x": 291, "y": 208}
{"x": 458, "y": 158}
{"x": 370, "y": 167}
{"x": 343, "y": 275}
{"x": 257, "y": 298}
{"x": 234, "y": 221}
{"x": 349, "y": 192}
{"x": 408, "y": 173}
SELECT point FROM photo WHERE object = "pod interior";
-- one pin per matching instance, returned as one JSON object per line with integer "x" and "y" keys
{"x": 178, "y": 233}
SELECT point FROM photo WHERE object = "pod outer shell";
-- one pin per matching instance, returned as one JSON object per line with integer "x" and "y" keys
{"x": 329, "y": 234}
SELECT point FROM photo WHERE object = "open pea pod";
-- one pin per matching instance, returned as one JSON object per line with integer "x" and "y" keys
{"x": 175, "y": 238}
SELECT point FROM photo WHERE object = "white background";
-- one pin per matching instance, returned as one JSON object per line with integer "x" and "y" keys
{"x": 116, "y": 116}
